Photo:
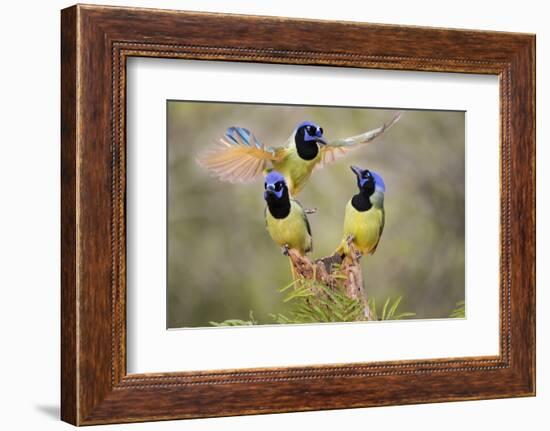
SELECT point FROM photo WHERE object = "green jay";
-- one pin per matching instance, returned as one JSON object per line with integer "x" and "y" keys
{"x": 285, "y": 219}
{"x": 241, "y": 157}
{"x": 364, "y": 216}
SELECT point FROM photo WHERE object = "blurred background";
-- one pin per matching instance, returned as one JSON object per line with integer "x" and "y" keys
{"x": 222, "y": 264}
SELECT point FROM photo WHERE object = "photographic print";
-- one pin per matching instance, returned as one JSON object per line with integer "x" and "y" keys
{"x": 288, "y": 214}
{"x": 248, "y": 213}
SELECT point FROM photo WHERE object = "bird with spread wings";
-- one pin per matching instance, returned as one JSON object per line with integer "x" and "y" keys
{"x": 241, "y": 157}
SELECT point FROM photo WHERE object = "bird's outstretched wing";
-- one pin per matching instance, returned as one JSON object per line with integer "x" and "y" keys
{"x": 238, "y": 157}
{"x": 340, "y": 147}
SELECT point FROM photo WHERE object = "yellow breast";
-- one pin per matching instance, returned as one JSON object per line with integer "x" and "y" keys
{"x": 291, "y": 231}
{"x": 365, "y": 227}
{"x": 295, "y": 169}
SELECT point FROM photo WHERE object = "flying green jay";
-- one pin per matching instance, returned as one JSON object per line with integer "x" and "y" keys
{"x": 285, "y": 219}
{"x": 364, "y": 217}
{"x": 241, "y": 157}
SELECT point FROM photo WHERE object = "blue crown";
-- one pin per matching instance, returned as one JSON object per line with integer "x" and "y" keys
{"x": 274, "y": 177}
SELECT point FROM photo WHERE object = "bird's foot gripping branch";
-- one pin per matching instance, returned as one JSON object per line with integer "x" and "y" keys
{"x": 332, "y": 278}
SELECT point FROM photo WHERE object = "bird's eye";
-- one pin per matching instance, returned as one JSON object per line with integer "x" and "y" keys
{"x": 278, "y": 186}
{"x": 309, "y": 129}
{"x": 321, "y": 130}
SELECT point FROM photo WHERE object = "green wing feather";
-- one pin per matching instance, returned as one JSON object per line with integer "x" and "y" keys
{"x": 308, "y": 227}
{"x": 304, "y": 216}
{"x": 382, "y": 223}
{"x": 340, "y": 147}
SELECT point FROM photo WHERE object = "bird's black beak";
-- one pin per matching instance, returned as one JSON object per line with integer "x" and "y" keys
{"x": 268, "y": 192}
{"x": 357, "y": 171}
{"x": 321, "y": 141}
{"x": 270, "y": 189}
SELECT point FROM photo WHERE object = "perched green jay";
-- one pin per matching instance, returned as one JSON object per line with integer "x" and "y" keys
{"x": 285, "y": 219}
{"x": 364, "y": 217}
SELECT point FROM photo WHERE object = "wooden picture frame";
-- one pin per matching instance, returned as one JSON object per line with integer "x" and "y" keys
{"x": 96, "y": 41}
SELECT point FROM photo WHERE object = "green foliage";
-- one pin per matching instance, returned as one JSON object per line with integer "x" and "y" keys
{"x": 389, "y": 310}
{"x": 237, "y": 322}
{"x": 460, "y": 311}
{"x": 310, "y": 301}
{"x": 314, "y": 302}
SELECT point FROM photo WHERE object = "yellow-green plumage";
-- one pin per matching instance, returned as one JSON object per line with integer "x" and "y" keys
{"x": 240, "y": 157}
{"x": 292, "y": 231}
{"x": 364, "y": 227}
{"x": 295, "y": 170}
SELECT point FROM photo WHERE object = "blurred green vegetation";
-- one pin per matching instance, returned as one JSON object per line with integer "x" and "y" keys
{"x": 222, "y": 263}
{"x": 310, "y": 301}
